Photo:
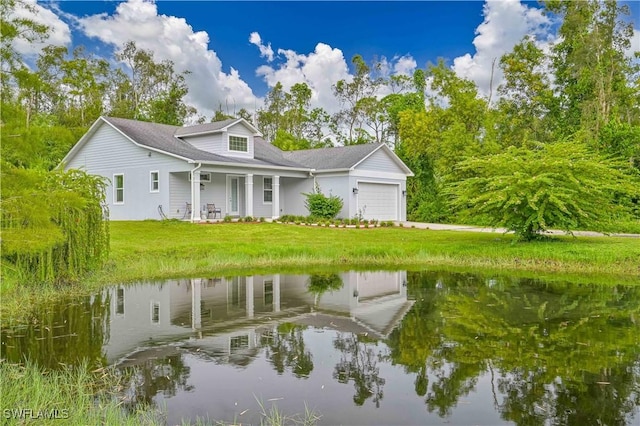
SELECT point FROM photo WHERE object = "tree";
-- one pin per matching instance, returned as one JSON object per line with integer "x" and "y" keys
{"x": 561, "y": 185}
{"x": 350, "y": 95}
{"x": 592, "y": 73}
{"x": 149, "y": 91}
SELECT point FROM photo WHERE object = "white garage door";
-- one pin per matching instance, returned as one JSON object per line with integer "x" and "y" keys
{"x": 378, "y": 200}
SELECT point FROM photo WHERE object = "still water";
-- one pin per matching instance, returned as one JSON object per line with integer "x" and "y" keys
{"x": 375, "y": 348}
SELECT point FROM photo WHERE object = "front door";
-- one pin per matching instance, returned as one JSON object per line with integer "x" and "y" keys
{"x": 233, "y": 191}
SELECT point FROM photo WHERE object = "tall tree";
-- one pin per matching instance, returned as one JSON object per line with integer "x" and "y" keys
{"x": 350, "y": 94}
{"x": 149, "y": 90}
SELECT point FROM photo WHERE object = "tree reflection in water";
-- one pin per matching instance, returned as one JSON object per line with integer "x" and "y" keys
{"x": 359, "y": 363}
{"x": 285, "y": 349}
{"x": 565, "y": 354}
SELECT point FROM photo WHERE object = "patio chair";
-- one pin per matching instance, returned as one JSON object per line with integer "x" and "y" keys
{"x": 187, "y": 211}
{"x": 213, "y": 210}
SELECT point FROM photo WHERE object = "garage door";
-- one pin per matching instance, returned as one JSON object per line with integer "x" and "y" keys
{"x": 378, "y": 200}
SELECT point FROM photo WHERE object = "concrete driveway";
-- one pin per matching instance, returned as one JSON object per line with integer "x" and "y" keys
{"x": 468, "y": 228}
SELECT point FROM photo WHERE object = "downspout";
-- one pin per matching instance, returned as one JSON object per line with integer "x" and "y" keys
{"x": 315, "y": 184}
{"x": 194, "y": 209}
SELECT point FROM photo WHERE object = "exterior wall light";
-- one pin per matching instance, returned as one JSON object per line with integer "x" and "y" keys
{"x": 404, "y": 192}
{"x": 355, "y": 190}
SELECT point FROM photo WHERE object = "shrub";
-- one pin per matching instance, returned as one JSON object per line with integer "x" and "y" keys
{"x": 321, "y": 206}
{"x": 262, "y": 220}
{"x": 227, "y": 219}
{"x": 248, "y": 219}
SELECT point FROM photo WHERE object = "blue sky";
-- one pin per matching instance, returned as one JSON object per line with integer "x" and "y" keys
{"x": 301, "y": 41}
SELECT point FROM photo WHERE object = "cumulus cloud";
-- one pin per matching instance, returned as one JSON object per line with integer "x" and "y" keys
{"x": 505, "y": 23}
{"x": 405, "y": 65}
{"x": 172, "y": 38}
{"x": 265, "y": 50}
{"x": 320, "y": 69}
{"x": 59, "y": 32}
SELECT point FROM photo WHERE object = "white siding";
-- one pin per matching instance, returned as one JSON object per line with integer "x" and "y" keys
{"x": 291, "y": 198}
{"x": 338, "y": 185}
{"x": 107, "y": 153}
{"x": 380, "y": 161}
{"x": 180, "y": 188}
{"x": 238, "y": 130}
{"x": 211, "y": 143}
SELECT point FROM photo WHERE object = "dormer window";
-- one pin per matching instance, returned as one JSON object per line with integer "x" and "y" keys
{"x": 238, "y": 144}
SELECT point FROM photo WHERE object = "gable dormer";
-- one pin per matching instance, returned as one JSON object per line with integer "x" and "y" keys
{"x": 231, "y": 138}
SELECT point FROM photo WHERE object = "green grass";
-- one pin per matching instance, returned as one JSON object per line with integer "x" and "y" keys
{"x": 171, "y": 249}
{"x": 74, "y": 395}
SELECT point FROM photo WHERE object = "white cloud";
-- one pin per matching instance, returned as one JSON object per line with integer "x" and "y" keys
{"x": 405, "y": 65}
{"x": 320, "y": 69}
{"x": 172, "y": 38}
{"x": 59, "y": 32}
{"x": 505, "y": 23}
{"x": 265, "y": 50}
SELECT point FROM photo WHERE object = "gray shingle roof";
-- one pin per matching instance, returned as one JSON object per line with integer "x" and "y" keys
{"x": 340, "y": 157}
{"x": 206, "y": 127}
{"x": 164, "y": 137}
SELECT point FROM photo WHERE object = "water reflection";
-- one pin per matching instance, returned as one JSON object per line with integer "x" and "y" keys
{"x": 404, "y": 348}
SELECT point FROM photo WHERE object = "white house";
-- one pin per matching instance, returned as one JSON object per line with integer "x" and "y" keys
{"x": 157, "y": 170}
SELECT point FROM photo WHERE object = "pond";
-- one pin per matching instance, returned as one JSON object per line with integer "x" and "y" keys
{"x": 378, "y": 347}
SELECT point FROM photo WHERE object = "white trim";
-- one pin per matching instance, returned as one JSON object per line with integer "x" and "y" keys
{"x": 381, "y": 175}
{"x": 229, "y": 136}
{"x": 115, "y": 190}
{"x": 151, "y": 181}
{"x": 264, "y": 190}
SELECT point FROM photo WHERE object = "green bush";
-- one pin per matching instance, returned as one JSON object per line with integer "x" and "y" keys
{"x": 321, "y": 206}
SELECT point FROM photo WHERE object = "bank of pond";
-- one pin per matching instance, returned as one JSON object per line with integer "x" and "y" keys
{"x": 351, "y": 347}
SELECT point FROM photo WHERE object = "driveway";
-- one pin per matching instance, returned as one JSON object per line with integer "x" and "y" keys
{"x": 468, "y": 228}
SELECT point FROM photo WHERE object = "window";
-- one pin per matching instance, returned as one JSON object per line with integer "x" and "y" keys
{"x": 239, "y": 342}
{"x": 204, "y": 177}
{"x": 268, "y": 292}
{"x": 268, "y": 190}
{"x": 238, "y": 143}
{"x": 120, "y": 301}
{"x": 154, "y": 181}
{"x": 155, "y": 312}
{"x": 118, "y": 189}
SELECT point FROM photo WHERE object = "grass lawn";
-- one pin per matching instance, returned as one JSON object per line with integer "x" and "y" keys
{"x": 171, "y": 249}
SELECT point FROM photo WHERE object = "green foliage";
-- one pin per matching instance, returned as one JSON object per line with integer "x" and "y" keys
{"x": 52, "y": 223}
{"x": 559, "y": 185}
{"x": 321, "y": 283}
{"x": 321, "y": 206}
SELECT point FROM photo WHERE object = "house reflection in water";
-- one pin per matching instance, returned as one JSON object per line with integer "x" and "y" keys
{"x": 227, "y": 317}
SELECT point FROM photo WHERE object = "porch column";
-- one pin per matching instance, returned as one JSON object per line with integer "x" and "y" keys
{"x": 275, "y": 205}
{"x": 195, "y": 196}
{"x": 196, "y": 298}
{"x": 249, "y": 287}
{"x": 276, "y": 293}
{"x": 248, "y": 194}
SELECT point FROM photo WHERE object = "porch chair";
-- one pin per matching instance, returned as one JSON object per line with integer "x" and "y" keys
{"x": 213, "y": 210}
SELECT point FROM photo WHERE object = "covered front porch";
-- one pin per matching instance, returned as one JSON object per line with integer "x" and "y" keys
{"x": 235, "y": 194}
